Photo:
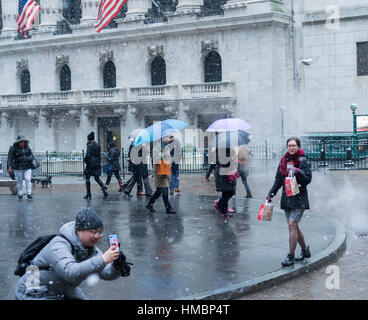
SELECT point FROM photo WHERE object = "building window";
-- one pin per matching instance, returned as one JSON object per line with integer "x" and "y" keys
{"x": 362, "y": 58}
{"x": 65, "y": 78}
{"x": 212, "y": 67}
{"x": 25, "y": 81}
{"x": 72, "y": 12}
{"x": 158, "y": 71}
{"x": 109, "y": 75}
{"x": 158, "y": 13}
{"x": 212, "y": 7}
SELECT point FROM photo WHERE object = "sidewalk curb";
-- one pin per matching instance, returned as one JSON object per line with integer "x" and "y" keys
{"x": 333, "y": 251}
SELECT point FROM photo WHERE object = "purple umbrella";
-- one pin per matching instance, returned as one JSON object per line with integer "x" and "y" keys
{"x": 229, "y": 124}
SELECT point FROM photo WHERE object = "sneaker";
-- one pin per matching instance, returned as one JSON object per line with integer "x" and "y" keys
{"x": 230, "y": 210}
{"x": 288, "y": 261}
{"x": 20, "y": 197}
{"x": 216, "y": 204}
{"x": 177, "y": 190}
{"x": 171, "y": 192}
{"x": 305, "y": 253}
{"x": 29, "y": 197}
{"x": 128, "y": 194}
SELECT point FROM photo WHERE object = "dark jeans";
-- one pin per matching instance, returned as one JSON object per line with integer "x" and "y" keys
{"x": 243, "y": 177}
{"x": 210, "y": 169}
{"x": 224, "y": 200}
{"x": 134, "y": 179}
{"x": 165, "y": 196}
{"x": 117, "y": 175}
{"x": 97, "y": 179}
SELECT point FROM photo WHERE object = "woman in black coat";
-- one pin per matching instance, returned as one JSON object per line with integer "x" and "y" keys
{"x": 296, "y": 163}
{"x": 20, "y": 159}
{"x": 114, "y": 162}
{"x": 224, "y": 183}
{"x": 93, "y": 165}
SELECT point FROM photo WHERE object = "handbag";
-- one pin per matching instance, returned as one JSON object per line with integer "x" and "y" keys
{"x": 233, "y": 175}
{"x": 35, "y": 163}
{"x": 163, "y": 168}
{"x": 107, "y": 169}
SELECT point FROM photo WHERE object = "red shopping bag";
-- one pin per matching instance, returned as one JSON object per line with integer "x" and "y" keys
{"x": 291, "y": 186}
{"x": 265, "y": 212}
{"x": 260, "y": 212}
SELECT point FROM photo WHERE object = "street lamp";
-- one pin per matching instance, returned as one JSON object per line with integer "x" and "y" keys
{"x": 353, "y": 108}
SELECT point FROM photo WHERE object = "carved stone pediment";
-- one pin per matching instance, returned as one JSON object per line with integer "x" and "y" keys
{"x": 61, "y": 60}
{"x": 209, "y": 45}
{"x": 154, "y": 51}
{"x": 22, "y": 64}
{"x": 106, "y": 56}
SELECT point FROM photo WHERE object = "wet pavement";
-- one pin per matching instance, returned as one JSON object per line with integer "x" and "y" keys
{"x": 174, "y": 256}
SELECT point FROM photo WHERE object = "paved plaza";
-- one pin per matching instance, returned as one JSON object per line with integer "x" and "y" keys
{"x": 194, "y": 254}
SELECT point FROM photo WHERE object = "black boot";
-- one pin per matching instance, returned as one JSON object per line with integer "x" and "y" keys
{"x": 88, "y": 187}
{"x": 150, "y": 207}
{"x": 105, "y": 194}
{"x": 170, "y": 211}
{"x": 289, "y": 260}
{"x": 303, "y": 255}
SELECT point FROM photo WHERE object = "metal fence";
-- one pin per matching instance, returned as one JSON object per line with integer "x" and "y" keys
{"x": 345, "y": 155}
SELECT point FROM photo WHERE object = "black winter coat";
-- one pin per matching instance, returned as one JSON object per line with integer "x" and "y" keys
{"x": 304, "y": 177}
{"x": 222, "y": 182}
{"x": 93, "y": 159}
{"x": 20, "y": 159}
{"x": 114, "y": 158}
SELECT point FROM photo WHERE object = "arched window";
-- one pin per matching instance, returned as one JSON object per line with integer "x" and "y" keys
{"x": 158, "y": 71}
{"x": 65, "y": 78}
{"x": 212, "y": 67}
{"x": 25, "y": 81}
{"x": 109, "y": 75}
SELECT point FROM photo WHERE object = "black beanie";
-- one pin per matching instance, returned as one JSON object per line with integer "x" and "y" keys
{"x": 91, "y": 136}
{"x": 87, "y": 219}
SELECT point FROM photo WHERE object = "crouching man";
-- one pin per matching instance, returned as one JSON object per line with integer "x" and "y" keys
{"x": 68, "y": 259}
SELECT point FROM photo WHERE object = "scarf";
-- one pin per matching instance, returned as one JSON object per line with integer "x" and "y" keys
{"x": 290, "y": 158}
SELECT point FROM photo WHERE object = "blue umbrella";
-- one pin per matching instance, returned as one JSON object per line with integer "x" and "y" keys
{"x": 159, "y": 130}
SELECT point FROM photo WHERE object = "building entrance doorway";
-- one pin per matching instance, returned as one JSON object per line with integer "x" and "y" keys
{"x": 109, "y": 131}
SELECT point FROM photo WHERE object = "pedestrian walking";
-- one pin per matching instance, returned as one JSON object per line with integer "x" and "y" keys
{"x": 226, "y": 175}
{"x": 93, "y": 166}
{"x": 161, "y": 162}
{"x": 244, "y": 155}
{"x": 145, "y": 173}
{"x": 176, "y": 156}
{"x": 114, "y": 163}
{"x": 293, "y": 163}
{"x": 68, "y": 259}
{"x": 136, "y": 178}
{"x": 20, "y": 158}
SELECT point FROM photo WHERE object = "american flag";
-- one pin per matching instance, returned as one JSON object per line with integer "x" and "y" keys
{"x": 27, "y": 11}
{"x": 107, "y": 10}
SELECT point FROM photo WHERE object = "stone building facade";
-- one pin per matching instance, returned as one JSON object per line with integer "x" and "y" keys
{"x": 240, "y": 60}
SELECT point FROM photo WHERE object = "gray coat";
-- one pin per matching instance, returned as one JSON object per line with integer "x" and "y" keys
{"x": 67, "y": 270}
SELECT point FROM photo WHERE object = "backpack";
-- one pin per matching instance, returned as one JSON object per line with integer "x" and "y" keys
{"x": 32, "y": 251}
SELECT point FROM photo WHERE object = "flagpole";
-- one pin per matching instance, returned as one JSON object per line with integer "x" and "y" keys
{"x": 56, "y": 11}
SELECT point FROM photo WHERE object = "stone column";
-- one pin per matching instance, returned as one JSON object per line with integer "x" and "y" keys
{"x": 9, "y": 11}
{"x": 89, "y": 11}
{"x": 137, "y": 9}
{"x": 49, "y": 17}
{"x": 189, "y": 6}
